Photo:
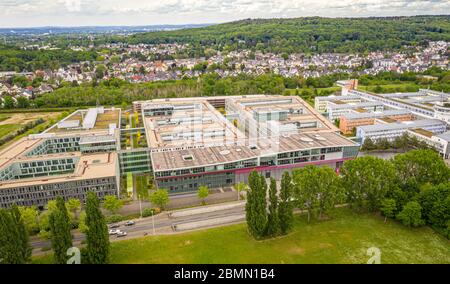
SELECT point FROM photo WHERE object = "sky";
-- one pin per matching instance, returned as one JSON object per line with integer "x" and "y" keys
{"x": 37, "y": 13}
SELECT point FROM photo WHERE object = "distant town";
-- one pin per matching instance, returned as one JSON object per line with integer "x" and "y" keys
{"x": 137, "y": 64}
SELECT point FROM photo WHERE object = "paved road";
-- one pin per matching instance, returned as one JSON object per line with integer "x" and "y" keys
{"x": 162, "y": 224}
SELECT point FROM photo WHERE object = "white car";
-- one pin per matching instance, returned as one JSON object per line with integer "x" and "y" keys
{"x": 114, "y": 232}
{"x": 121, "y": 234}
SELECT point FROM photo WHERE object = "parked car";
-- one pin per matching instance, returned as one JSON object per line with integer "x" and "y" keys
{"x": 114, "y": 232}
{"x": 121, "y": 234}
{"x": 114, "y": 226}
{"x": 129, "y": 223}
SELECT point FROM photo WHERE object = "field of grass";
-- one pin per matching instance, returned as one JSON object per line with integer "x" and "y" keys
{"x": 344, "y": 238}
{"x": 391, "y": 88}
{"x": 8, "y": 128}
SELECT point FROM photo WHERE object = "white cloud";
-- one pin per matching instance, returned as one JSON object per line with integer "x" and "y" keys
{"x": 142, "y": 12}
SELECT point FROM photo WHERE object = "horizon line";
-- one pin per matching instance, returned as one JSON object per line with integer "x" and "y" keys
{"x": 217, "y": 23}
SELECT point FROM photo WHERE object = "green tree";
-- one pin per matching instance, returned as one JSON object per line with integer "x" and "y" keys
{"x": 317, "y": 189}
{"x": 255, "y": 207}
{"x": 29, "y": 217}
{"x": 14, "y": 241}
{"x": 203, "y": 192}
{"x": 388, "y": 208}
{"x": 368, "y": 145}
{"x": 100, "y": 71}
{"x": 61, "y": 237}
{"x": 8, "y": 102}
{"x": 285, "y": 208}
{"x": 435, "y": 202}
{"x": 73, "y": 205}
{"x": 421, "y": 166}
{"x": 367, "y": 180}
{"x": 411, "y": 215}
{"x": 273, "y": 222}
{"x": 23, "y": 102}
{"x": 160, "y": 198}
{"x": 82, "y": 222}
{"x": 112, "y": 204}
{"x": 240, "y": 187}
{"x": 97, "y": 238}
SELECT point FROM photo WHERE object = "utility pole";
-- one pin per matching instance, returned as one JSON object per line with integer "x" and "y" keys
{"x": 153, "y": 222}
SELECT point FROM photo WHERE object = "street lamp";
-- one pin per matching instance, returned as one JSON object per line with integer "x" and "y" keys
{"x": 140, "y": 204}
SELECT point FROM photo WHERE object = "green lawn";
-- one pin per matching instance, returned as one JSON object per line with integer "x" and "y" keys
{"x": 8, "y": 128}
{"x": 393, "y": 88}
{"x": 343, "y": 239}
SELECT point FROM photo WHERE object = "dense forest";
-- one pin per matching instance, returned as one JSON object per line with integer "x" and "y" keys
{"x": 312, "y": 34}
{"x": 19, "y": 60}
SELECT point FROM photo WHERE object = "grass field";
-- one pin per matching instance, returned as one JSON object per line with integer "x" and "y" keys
{"x": 393, "y": 88}
{"x": 344, "y": 238}
{"x": 6, "y": 129}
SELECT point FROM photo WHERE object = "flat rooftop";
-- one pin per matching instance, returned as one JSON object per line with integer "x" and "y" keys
{"x": 102, "y": 121}
{"x": 191, "y": 123}
{"x": 90, "y": 166}
{"x": 423, "y": 132}
{"x": 189, "y": 158}
{"x": 402, "y": 125}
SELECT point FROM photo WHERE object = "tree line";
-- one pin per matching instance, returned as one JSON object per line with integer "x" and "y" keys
{"x": 15, "y": 247}
{"x": 19, "y": 60}
{"x": 306, "y": 35}
{"x": 403, "y": 143}
{"x": 413, "y": 188}
{"x": 119, "y": 92}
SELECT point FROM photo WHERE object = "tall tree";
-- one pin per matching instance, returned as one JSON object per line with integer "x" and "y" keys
{"x": 273, "y": 222}
{"x": 14, "y": 242}
{"x": 256, "y": 214}
{"x": 60, "y": 236}
{"x": 29, "y": 217}
{"x": 285, "y": 207}
{"x": 317, "y": 189}
{"x": 24, "y": 249}
{"x": 367, "y": 180}
{"x": 97, "y": 237}
{"x": 421, "y": 166}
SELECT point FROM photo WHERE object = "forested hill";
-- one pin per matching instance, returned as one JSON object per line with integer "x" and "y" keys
{"x": 312, "y": 34}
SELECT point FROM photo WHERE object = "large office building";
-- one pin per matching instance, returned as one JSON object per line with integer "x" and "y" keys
{"x": 184, "y": 143}
{"x": 193, "y": 144}
{"x": 424, "y": 114}
{"x": 77, "y": 155}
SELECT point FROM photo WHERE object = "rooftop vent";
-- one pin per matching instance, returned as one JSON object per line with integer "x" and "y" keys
{"x": 224, "y": 152}
{"x": 188, "y": 158}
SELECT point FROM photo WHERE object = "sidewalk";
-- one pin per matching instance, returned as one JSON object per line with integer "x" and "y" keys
{"x": 182, "y": 201}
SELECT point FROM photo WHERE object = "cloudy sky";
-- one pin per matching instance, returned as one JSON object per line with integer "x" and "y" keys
{"x": 29, "y": 13}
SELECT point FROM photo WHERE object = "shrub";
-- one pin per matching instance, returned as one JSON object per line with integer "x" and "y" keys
{"x": 147, "y": 212}
{"x": 411, "y": 215}
{"x": 113, "y": 219}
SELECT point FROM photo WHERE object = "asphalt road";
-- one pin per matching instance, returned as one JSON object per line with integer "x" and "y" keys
{"x": 162, "y": 224}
